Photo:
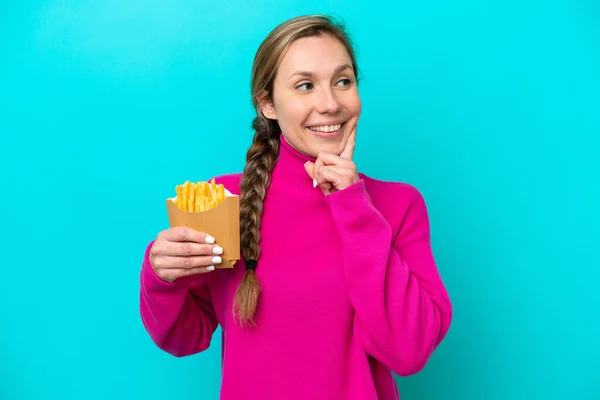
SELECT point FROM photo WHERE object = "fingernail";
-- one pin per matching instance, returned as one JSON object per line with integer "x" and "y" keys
{"x": 216, "y": 260}
{"x": 314, "y": 183}
{"x": 211, "y": 268}
{"x": 209, "y": 239}
{"x": 217, "y": 250}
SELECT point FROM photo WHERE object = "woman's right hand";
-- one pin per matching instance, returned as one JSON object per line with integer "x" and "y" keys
{"x": 181, "y": 251}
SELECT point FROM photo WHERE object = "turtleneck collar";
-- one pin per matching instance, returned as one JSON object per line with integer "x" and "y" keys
{"x": 289, "y": 170}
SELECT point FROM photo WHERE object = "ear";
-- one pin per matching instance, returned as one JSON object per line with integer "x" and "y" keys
{"x": 267, "y": 107}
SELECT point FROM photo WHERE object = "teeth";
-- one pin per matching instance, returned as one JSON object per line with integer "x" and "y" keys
{"x": 326, "y": 128}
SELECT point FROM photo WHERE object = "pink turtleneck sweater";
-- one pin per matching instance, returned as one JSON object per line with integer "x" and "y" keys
{"x": 350, "y": 293}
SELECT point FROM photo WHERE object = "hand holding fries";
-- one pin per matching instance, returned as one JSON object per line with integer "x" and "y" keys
{"x": 182, "y": 251}
{"x": 200, "y": 214}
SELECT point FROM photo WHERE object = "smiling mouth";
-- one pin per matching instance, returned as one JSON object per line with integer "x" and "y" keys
{"x": 326, "y": 130}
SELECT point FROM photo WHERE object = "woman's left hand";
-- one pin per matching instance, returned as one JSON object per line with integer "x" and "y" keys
{"x": 332, "y": 172}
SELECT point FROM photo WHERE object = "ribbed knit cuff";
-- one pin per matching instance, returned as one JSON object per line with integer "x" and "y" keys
{"x": 356, "y": 189}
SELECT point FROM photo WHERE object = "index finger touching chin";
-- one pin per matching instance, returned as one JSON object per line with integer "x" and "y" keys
{"x": 348, "y": 152}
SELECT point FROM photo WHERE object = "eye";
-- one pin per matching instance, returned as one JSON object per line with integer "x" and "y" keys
{"x": 347, "y": 81}
{"x": 305, "y": 85}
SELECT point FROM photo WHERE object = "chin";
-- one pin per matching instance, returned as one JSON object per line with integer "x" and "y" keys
{"x": 315, "y": 148}
{"x": 333, "y": 144}
{"x": 311, "y": 144}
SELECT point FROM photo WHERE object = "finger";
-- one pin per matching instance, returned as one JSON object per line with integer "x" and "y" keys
{"x": 342, "y": 171}
{"x": 334, "y": 176}
{"x": 348, "y": 153}
{"x": 317, "y": 171}
{"x": 173, "y": 274}
{"x": 326, "y": 158}
{"x": 185, "y": 234}
{"x": 198, "y": 270}
{"x": 330, "y": 160}
{"x": 186, "y": 262}
{"x": 318, "y": 167}
{"x": 166, "y": 248}
{"x": 312, "y": 170}
{"x": 309, "y": 167}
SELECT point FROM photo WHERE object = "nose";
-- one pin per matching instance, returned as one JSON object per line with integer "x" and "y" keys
{"x": 327, "y": 102}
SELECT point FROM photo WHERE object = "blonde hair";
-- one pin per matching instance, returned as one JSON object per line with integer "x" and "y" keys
{"x": 263, "y": 153}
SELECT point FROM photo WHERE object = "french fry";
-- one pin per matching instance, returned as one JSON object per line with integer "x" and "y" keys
{"x": 184, "y": 196}
{"x": 191, "y": 198}
{"x": 221, "y": 193}
{"x": 179, "y": 192}
{"x": 213, "y": 188}
{"x": 197, "y": 200}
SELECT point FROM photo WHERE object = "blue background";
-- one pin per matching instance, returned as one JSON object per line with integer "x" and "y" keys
{"x": 490, "y": 108}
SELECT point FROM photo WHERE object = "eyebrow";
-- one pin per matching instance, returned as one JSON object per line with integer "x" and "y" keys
{"x": 312, "y": 74}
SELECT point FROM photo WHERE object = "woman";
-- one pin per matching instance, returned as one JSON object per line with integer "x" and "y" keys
{"x": 337, "y": 286}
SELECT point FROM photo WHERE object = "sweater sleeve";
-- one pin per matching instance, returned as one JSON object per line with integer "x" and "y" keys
{"x": 178, "y": 316}
{"x": 402, "y": 309}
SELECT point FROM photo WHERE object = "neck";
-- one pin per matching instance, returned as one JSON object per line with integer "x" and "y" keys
{"x": 289, "y": 172}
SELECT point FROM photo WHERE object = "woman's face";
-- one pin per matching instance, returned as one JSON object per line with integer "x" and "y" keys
{"x": 315, "y": 97}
